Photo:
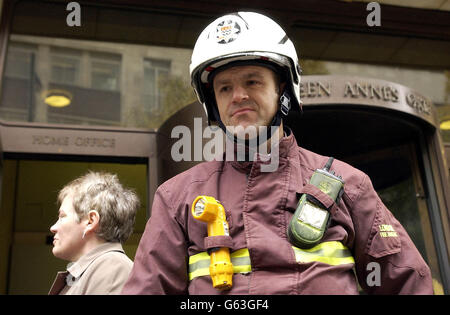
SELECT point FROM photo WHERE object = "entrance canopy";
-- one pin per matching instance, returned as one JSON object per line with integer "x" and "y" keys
{"x": 334, "y": 89}
{"x": 344, "y": 115}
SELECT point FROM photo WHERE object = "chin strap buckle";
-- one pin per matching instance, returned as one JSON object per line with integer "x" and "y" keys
{"x": 285, "y": 102}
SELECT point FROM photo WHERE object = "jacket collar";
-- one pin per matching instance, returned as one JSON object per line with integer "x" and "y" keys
{"x": 287, "y": 147}
{"x": 76, "y": 269}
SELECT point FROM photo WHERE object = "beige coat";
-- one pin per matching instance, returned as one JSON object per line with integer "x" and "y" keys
{"x": 104, "y": 270}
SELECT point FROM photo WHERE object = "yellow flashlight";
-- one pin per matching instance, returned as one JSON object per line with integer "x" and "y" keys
{"x": 209, "y": 210}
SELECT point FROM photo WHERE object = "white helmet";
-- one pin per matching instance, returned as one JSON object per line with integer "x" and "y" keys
{"x": 248, "y": 38}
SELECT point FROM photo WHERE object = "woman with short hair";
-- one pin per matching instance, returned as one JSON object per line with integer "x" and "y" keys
{"x": 96, "y": 216}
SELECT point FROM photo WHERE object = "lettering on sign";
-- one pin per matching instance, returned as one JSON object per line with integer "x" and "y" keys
{"x": 50, "y": 140}
{"x": 367, "y": 90}
{"x": 76, "y": 141}
{"x": 315, "y": 89}
{"x": 94, "y": 142}
{"x": 363, "y": 90}
{"x": 419, "y": 103}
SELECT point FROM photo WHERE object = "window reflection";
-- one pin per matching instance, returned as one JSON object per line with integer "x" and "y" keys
{"x": 105, "y": 72}
{"x": 17, "y": 86}
{"x": 65, "y": 67}
{"x": 155, "y": 73}
{"x": 93, "y": 83}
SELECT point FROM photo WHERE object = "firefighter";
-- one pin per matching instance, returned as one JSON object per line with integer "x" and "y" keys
{"x": 245, "y": 72}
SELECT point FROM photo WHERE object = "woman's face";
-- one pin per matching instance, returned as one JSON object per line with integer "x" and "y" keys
{"x": 68, "y": 239}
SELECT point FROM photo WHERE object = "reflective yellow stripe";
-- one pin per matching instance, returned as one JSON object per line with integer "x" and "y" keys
{"x": 197, "y": 257}
{"x": 199, "y": 263}
{"x": 331, "y": 253}
{"x": 243, "y": 252}
{"x": 199, "y": 273}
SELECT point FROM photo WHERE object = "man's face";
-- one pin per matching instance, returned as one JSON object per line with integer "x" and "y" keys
{"x": 246, "y": 96}
{"x": 68, "y": 238}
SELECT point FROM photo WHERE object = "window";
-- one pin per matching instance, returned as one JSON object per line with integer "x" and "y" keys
{"x": 65, "y": 67}
{"x": 19, "y": 62}
{"x": 105, "y": 72}
{"x": 155, "y": 72}
{"x": 121, "y": 68}
{"x": 18, "y": 89}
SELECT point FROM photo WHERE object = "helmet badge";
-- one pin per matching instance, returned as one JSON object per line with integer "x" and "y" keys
{"x": 227, "y": 31}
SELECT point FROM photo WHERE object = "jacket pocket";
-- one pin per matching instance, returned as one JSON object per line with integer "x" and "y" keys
{"x": 384, "y": 238}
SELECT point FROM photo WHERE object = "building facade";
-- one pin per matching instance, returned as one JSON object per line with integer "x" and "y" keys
{"x": 103, "y": 90}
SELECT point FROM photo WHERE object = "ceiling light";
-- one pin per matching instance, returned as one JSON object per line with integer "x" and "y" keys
{"x": 445, "y": 124}
{"x": 57, "y": 98}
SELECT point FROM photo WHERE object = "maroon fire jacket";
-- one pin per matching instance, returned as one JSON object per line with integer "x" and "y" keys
{"x": 259, "y": 206}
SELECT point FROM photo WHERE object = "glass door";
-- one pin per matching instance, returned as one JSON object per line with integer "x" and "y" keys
{"x": 30, "y": 203}
{"x": 398, "y": 179}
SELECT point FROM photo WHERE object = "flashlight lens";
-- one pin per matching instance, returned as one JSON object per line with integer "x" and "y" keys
{"x": 199, "y": 207}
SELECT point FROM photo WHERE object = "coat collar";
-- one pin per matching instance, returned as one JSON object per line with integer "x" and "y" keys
{"x": 287, "y": 147}
{"x": 76, "y": 269}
